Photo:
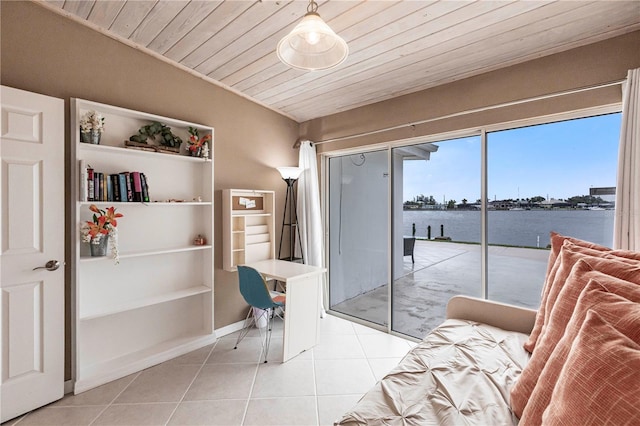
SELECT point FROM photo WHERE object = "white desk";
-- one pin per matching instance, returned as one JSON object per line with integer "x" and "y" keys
{"x": 303, "y": 305}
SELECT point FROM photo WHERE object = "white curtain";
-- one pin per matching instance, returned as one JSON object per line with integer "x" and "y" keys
{"x": 626, "y": 233}
{"x": 309, "y": 213}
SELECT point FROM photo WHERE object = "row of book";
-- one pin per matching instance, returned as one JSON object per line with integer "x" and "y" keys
{"x": 120, "y": 187}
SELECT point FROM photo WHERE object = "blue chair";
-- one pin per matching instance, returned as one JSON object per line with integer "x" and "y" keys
{"x": 255, "y": 292}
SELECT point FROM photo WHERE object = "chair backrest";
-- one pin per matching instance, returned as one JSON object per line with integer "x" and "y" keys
{"x": 254, "y": 289}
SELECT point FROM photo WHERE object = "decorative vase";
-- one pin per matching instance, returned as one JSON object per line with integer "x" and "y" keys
{"x": 92, "y": 136}
{"x": 99, "y": 249}
{"x": 196, "y": 152}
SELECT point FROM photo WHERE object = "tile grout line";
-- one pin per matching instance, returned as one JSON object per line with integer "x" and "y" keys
{"x": 315, "y": 386}
{"x": 253, "y": 383}
{"x": 366, "y": 356}
{"x": 114, "y": 399}
{"x": 191, "y": 383}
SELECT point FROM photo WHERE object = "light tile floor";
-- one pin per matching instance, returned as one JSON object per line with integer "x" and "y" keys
{"x": 218, "y": 385}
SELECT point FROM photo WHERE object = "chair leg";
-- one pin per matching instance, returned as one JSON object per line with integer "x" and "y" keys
{"x": 251, "y": 320}
{"x": 267, "y": 337}
{"x": 266, "y": 340}
{"x": 245, "y": 327}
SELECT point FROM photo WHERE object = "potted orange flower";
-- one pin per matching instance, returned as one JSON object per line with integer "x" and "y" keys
{"x": 196, "y": 145}
{"x": 98, "y": 230}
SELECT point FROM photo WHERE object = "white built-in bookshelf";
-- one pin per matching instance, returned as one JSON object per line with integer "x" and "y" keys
{"x": 157, "y": 303}
{"x": 248, "y": 226}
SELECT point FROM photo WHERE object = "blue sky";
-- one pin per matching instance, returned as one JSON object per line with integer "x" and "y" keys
{"x": 557, "y": 160}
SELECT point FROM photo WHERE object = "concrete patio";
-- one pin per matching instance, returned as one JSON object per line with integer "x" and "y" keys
{"x": 442, "y": 270}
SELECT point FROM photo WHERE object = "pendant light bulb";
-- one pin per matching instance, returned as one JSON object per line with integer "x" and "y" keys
{"x": 312, "y": 37}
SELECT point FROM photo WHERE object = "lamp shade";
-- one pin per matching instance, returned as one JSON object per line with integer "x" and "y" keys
{"x": 289, "y": 172}
{"x": 312, "y": 45}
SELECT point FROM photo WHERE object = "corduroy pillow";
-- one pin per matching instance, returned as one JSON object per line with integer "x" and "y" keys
{"x": 617, "y": 301}
{"x": 563, "y": 296}
{"x": 600, "y": 381}
{"x": 571, "y": 253}
{"x": 563, "y": 263}
{"x": 557, "y": 242}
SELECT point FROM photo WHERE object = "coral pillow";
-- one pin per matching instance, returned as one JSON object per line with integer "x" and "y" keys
{"x": 570, "y": 251}
{"x": 563, "y": 295}
{"x": 617, "y": 301}
{"x": 620, "y": 267}
{"x": 557, "y": 242}
{"x": 600, "y": 382}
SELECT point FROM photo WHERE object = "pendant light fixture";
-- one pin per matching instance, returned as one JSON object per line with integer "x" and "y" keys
{"x": 312, "y": 45}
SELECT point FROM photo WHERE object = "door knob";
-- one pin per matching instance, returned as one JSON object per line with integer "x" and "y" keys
{"x": 51, "y": 265}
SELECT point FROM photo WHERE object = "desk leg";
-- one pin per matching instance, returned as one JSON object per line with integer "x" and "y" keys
{"x": 302, "y": 316}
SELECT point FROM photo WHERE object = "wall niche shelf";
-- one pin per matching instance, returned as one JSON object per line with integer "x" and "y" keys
{"x": 248, "y": 226}
{"x": 157, "y": 303}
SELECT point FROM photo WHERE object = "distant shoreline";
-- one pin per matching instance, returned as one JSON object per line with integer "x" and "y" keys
{"x": 440, "y": 209}
{"x": 523, "y": 228}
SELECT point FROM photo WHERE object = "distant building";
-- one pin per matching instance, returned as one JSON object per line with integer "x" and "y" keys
{"x": 552, "y": 202}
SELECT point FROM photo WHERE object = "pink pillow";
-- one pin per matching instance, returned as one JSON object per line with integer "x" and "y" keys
{"x": 609, "y": 254}
{"x": 569, "y": 253}
{"x": 615, "y": 300}
{"x": 620, "y": 267}
{"x": 563, "y": 295}
{"x": 557, "y": 242}
{"x": 600, "y": 382}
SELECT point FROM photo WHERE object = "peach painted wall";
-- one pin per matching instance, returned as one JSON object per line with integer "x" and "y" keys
{"x": 46, "y": 53}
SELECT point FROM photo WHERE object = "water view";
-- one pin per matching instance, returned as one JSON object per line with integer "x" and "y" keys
{"x": 524, "y": 228}
{"x": 539, "y": 178}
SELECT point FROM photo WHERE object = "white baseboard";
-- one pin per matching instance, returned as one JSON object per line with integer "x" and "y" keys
{"x": 231, "y": 328}
{"x": 68, "y": 386}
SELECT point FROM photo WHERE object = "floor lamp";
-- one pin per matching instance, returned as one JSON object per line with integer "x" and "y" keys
{"x": 290, "y": 176}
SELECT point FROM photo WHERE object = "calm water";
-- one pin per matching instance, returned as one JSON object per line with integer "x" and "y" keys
{"x": 529, "y": 228}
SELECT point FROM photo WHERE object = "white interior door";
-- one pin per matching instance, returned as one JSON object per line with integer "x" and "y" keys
{"x": 31, "y": 235}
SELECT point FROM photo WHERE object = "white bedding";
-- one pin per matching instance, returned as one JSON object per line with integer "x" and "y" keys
{"x": 460, "y": 374}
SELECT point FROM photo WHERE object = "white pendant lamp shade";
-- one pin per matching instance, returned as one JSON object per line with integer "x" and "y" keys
{"x": 312, "y": 45}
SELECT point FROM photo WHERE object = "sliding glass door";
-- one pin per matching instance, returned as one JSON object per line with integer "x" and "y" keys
{"x": 411, "y": 226}
{"x": 549, "y": 177}
{"x": 436, "y": 230}
{"x": 358, "y": 235}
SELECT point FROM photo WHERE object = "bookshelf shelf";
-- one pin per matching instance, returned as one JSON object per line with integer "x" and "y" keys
{"x": 119, "y": 150}
{"x": 157, "y": 302}
{"x": 149, "y": 204}
{"x": 143, "y": 302}
{"x": 143, "y": 253}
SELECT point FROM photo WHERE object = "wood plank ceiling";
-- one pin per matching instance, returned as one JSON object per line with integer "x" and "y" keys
{"x": 396, "y": 47}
